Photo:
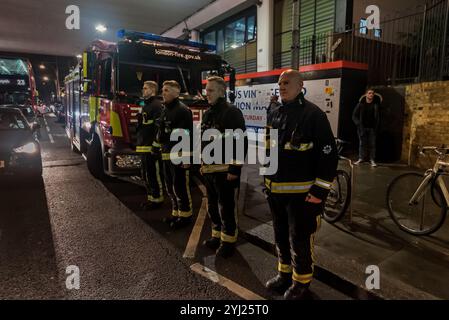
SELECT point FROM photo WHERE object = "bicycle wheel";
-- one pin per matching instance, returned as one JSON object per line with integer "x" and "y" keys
{"x": 422, "y": 217}
{"x": 337, "y": 201}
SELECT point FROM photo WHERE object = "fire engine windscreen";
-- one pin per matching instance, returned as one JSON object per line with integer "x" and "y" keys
{"x": 132, "y": 77}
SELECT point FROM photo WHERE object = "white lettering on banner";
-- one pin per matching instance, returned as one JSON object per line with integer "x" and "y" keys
{"x": 73, "y": 278}
{"x": 254, "y": 100}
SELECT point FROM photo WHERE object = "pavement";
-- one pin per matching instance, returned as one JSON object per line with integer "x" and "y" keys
{"x": 410, "y": 267}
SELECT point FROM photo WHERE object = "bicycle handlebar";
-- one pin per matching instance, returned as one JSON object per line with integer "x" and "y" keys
{"x": 438, "y": 150}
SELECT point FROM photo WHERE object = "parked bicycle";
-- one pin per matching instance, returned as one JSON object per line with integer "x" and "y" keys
{"x": 418, "y": 203}
{"x": 339, "y": 197}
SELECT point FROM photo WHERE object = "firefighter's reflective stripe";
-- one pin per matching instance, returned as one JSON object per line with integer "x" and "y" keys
{"x": 323, "y": 183}
{"x": 144, "y": 149}
{"x": 302, "y": 278}
{"x": 228, "y": 238}
{"x": 176, "y": 155}
{"x": 212, "y": 168}
{"x": 155, "y": 200}
{"x": 148, "y": 122}
{"x": 174, "y": 213}
{"x": 156, "y": 145}
{"x": 93, "y": 103}
{"x": 285, "y": 268}
{"x": 116, "y": 125}
{"x": 302, "y": 147}
{"x": 216, "y": 234}
{"x": 288, "y": 187}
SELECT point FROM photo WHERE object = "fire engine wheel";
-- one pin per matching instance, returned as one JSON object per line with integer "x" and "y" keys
{"x": 95, "y": 159}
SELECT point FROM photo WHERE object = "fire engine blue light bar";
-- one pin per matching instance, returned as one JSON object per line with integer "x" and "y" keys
{"x": 154, "y": 37}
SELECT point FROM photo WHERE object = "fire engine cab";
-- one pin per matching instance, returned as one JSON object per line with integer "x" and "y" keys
{"x": 103, "y": 93}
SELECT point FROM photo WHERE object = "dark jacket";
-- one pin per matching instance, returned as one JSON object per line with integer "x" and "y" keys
{"x": 357, "y": 115}
{"x": 307, "y": 154}
{"x": 146, "y": 129}
{"x": 222, "y": 116}
{"x": 175, "y": 116}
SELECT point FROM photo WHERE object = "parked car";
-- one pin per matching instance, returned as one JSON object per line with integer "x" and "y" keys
{"x": 20, "y": 152}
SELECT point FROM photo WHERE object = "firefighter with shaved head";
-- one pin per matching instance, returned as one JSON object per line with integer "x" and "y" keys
{"x": 297, "y": 191}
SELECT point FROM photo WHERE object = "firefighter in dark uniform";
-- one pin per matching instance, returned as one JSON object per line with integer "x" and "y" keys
{"x": 307, "y": 163}
{"x": 176, "y": 118}
{"x": 146, "y": 133}
{"x": 222, "y": 179}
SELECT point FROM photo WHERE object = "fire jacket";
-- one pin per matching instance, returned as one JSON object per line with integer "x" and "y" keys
{"x": 176, "y": 117}
{"x": 222, "y": 116}
{"x": 146, "y": 129}
{"x": 307, "y": 154}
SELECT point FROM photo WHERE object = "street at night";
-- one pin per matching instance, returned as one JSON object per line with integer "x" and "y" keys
{"x": 225, "y": 158}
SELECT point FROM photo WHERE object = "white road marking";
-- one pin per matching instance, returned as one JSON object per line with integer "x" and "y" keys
{"x": 195, "y": 236}
{"x": 225, "y": 282}
{"x": 48, "y": 131}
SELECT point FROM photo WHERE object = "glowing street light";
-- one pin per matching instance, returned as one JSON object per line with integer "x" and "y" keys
{"x": 101, "y": 28}
{"x": 45, "y": 78}
{"x": 42, "y": 66}
{"x": 79, "y": 56}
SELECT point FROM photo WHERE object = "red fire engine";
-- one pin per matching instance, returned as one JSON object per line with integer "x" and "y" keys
{"x": 104, "y": 91}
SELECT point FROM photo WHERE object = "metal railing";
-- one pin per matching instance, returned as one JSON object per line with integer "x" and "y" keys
{"x": 410, "y": 48}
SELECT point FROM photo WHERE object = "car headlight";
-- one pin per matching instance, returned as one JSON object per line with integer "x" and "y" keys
{"x": 28, "y": 148}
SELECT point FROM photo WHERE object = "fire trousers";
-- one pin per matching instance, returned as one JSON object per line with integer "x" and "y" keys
{"x": 222, "y": 206}
{"x": 295, "y": 223}
{"x": 177, "y": 182}
{"x": 151, "y": 174}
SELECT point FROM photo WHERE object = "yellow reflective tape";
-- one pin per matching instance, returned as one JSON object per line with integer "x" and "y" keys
{"x": 156, "y": 145}
{"x": 288, "y": 187}
{"x": 174, "y": 213}
{"x": 148, "y": 122}
{"x": 216, "y": 234}
{"x": 302, "y": 147}
{"x": 302, "y": 278}
{"x": 85, "y": 85}
{"x": 116, "y": 125}
{"x": 166, "y": 156}
{"x": 212, "y": 168}
{"x": 143, "y": 149}
{"x": 155, "y": 200}
{"x": 323, "y": 183}
{"x": 285, "y": 268}
{"x": 228, "y": 238}
{"x": 184, "y": 214}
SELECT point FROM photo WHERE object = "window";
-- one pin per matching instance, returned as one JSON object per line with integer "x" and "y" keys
{"x": 105, "y": 77}
{"x": 220, "y": 41}
{"x": 363, "y": 29}
{"x": 251, "y": 28}
{"x": 209, "y": 38}
{"x": 235, "y": 34}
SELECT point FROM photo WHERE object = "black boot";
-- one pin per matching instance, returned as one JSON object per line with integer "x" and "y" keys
{"x": 170, "y": 220}
{"x": 225, "y": 250}
{"x": 180, "y": 222}
{"x": 148, "y": 205}
{"x": 212, "y": 243}
{"x": 297, "y": 291}
{"x": 280, "y": 283}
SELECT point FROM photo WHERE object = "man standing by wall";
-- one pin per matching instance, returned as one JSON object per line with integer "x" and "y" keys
{"x": 297, "y": 191}
{"x": 146, "y": 133}
{"x": 222, "y": 179}
{"x": 366, "y": 118}
{"x": 175, "y": 118}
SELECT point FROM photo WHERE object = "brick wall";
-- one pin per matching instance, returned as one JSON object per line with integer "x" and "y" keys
{"x": 426, "y": 120}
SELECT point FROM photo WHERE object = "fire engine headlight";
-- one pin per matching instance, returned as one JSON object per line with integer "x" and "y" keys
{"x": 27, "y": 148}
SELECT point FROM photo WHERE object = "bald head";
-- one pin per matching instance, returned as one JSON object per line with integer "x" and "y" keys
{"x": 290, "y": 85}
